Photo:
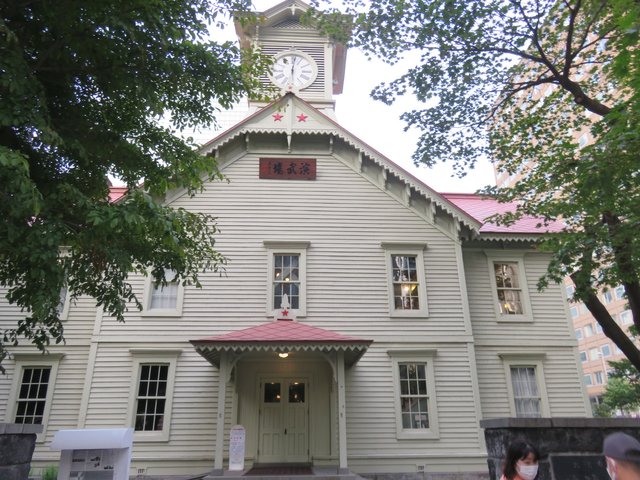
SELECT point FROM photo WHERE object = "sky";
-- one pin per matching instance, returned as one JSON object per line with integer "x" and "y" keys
{"x": 377, "y": 124}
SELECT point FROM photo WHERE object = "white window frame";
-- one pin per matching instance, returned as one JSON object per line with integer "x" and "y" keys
{"x": 588, "y": 330}
{"x": 579, "y": 334}
{"x": 427, "y": 358}
{"x": 284, "y": 247}
{"x": 626, "y": 317}
{"x": 518, "y": 259}
{"x": 574, "y": 312}
{"x": 608, "y": 347}
{"x": 143, "y": 356}
{"x": 598, "y": 377}
{"x": 583, "y": 357}
{"x": 411, "y": 250}
{"x": 587, "y": 380}
{"x": 149, "y": 288}
{"x": 594, "y": 354}
{"x": 619, "y": 292}
{"x": 33, "y": 360}
{"x": 535, "y": 360}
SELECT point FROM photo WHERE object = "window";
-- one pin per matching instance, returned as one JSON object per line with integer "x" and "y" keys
{"x": 525, "y": 391}
{"x": 164, "y": 300}
{"x": 578, "y": 334}
{"x": 607, "y": 297}
{"x": 598, "y": 328}
{"x": 588, "y": 330}
{"x": 570, "y": 289}
{"x": 152, "y": 393}
{"x": 415, "y": 394}
{"x": 619, "y": 292}
{"x": 625, "y": 318}
{"x": 587, "y": 379}
{"x": 606, "y": 350}
{"x": 286, "y": 280}
{"x": 286, "y": 275}
{"x": 508, "y": 287}
{"x": 574, "y": 312}
{"x": 593, "y": 354}
{"x": 598, "y": 378}
{"x": 509, "y": 291}
{"x": 407, "y": 290}
{"x": 32, "y": 396}
{"x": 414, "y": 398}
{"x": 525, "y": 384}
{"x": 583, "y": 357}
{"x": 32, "y": 389}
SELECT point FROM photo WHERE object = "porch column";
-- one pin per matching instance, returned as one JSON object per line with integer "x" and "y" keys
{"x": 342, "y": 414}
{"x": 218, "y": 467}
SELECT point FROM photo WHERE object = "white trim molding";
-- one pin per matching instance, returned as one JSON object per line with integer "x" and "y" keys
{"x": 494, "y": 257}
{"x": 426, "y": 358}
{"x": 33, "y": 360}
{"x": 149, "y": 288}
{"x": 526, "y": 359}
{"x": 143, "y": 356}
{"x": 284, "y": 247}
{"x": 407, "y": 249}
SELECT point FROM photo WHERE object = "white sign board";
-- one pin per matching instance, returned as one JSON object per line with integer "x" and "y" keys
{"x": 236, "y": 448}
{"x": 94, "y": 454}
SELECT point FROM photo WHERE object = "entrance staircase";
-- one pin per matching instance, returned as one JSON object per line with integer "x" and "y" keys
{"x": 266, "y": 472}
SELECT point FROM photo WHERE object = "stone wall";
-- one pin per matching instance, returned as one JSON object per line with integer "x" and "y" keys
{"x": 570, "y": 448}
{"x": 17, "y": 443}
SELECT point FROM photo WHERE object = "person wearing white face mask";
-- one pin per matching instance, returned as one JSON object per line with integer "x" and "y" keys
{"x": 521, "y": 462}
{"x": 622, "y": 453}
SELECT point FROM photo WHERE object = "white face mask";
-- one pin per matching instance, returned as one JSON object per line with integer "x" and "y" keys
{"x": 527, "y": 472}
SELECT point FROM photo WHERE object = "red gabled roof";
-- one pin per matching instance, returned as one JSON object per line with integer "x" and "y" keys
{"x": 482, "y": 207}
{"x": 281, "y": 331}
{"x": 281, "y": 336}
{"x": 116, "y": 193}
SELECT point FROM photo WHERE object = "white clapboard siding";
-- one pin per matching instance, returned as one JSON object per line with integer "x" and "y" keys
{"x": 562, "y": 381}
{"x": 345, "y": 218}
{"x": 550, "y": 322}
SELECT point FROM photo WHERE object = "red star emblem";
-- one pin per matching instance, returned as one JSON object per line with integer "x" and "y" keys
{"x": 277, "y": 117}
{"x": 285, "y": 313}
{"x": 302, "y": 117}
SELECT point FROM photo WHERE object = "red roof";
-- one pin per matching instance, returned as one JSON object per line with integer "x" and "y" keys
{"x": 482, "y": 207}
{"x": 281, "y": 336}
{"x": 115, "y": 193}
{"x": 282, "y": 331}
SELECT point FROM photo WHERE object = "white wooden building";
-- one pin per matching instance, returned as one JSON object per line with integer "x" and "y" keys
{"x": 409, "y": 319}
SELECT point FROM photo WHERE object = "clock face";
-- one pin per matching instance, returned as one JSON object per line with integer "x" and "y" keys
{"x": 293, "y": 70}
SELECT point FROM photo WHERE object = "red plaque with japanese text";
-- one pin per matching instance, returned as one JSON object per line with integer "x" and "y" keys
{"x": 288, "y": 168}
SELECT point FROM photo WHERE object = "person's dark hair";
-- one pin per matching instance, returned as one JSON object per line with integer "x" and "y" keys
{"x": 518, "y": 450}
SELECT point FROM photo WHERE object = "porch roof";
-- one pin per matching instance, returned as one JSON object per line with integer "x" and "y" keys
{"x": 281, "y": 336}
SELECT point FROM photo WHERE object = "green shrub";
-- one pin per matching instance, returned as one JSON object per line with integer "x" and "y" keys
{"x": 50, "y": 473}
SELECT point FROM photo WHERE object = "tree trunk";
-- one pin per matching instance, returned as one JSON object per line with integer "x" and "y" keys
{"x": 609, "y": 326}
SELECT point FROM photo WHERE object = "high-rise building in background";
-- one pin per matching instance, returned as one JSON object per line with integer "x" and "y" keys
{"x": 595, "y": 348}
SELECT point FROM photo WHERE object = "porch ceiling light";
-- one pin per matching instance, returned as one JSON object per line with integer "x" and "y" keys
{"x": 283, "y": 354}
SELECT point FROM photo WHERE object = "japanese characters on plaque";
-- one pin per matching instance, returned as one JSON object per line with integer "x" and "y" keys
{"x": 288, "y": 168}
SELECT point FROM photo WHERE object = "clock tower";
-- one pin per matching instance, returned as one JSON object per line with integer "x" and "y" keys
{"x": 306, "y": 62}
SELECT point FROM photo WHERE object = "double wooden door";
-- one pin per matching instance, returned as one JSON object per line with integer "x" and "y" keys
{"x": 284, "y": 421}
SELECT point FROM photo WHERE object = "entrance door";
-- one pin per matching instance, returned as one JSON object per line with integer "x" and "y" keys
{"x": 284, "y": 421}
